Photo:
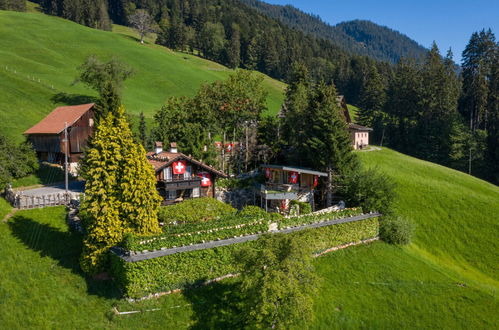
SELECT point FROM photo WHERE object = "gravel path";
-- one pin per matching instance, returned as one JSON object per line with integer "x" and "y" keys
{"x": 74, "y": 187}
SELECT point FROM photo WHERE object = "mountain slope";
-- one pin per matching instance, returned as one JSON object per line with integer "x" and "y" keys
{"x": 50, "y": 49}
{"x": 357, "y": 37}
{"x": 447, "y": 278}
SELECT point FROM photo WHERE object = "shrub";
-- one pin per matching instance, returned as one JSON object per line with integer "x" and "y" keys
{"x": 253, "y": 211}
{"x": 195, "y": 210}
{"x": 369, "y": 189}
{"x": 396, "y": 230}
{"x": 303, "y": 207}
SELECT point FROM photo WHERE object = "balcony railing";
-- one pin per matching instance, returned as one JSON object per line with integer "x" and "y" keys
{"x": 182, "y": 183}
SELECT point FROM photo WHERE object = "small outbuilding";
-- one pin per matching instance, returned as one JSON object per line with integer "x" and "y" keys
{"x": 286, "y": 183}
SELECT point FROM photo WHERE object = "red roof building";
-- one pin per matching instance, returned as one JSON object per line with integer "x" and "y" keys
{"x": 47, "y": 136}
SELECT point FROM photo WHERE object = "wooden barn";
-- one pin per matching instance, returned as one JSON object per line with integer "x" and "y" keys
{"x": 181, "y": 177}
{"x": 47, "y": 136}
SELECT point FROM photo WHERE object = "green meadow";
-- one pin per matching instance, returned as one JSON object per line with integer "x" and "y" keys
{"x": 40, "y": 55}
{"x": 446, "y": 278}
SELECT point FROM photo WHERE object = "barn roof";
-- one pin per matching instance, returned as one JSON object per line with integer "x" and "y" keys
{"x": 53, "y": 123}
{"x": 165, "y": 158}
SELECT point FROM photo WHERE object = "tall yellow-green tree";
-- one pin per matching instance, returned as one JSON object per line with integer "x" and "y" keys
{"x": 120, "y": 191}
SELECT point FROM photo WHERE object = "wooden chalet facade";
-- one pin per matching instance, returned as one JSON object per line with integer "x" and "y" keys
{"x": 286, "y": 183}
{"x": 47, "y": 136}
{"x": 181, "y": 177}
{"x": 359, "y": 135}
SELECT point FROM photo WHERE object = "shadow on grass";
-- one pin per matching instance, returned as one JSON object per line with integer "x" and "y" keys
{"x": 64, "y": 247}
{"x": 72, "y": 99}
{"x": 216, "y": 306}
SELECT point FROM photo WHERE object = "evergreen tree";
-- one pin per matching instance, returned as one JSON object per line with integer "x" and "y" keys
{"x": 477, "y": 59}
{"x": 234, "y": 49}
{"x": 120, "y": 191}
{"x": 372, "y": 100}
{"x": 143, "y": 131}
{"x": 327, "y": 143}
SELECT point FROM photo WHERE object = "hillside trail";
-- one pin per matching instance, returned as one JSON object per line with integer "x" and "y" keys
{"x": 9, "y": 215}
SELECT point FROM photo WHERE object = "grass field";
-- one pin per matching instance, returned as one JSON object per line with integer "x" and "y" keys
{"x": 50, "y": 49}
{"x": 446, "y": 279}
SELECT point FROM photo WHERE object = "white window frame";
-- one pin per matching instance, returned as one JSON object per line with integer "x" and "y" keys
{"x": 188, "y": 172}
{"x": 196, "y": 192}
{"x": 167, "y": 173}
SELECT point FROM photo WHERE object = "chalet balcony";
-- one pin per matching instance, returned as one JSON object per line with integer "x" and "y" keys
{"x": 179, "y": 184}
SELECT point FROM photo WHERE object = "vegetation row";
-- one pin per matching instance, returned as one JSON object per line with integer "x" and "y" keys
{"x": 181, "y": 270}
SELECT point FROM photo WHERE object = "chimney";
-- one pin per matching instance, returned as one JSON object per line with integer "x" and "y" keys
{"x": 173, "y": 148}
{"x": 158, "y": 147}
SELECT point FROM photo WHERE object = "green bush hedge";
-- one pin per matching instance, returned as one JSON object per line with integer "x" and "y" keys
{"x": 396, "y": 230}
{"x": 183, "y": 269}
{"x": 303, "y": 207}
{"x": 195, "y": 210}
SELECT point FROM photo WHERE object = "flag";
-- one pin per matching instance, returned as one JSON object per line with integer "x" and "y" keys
{"x": 205, "y": 179}
{"x": 179, "y": 167}
{"x": 316, "y": 180}
{"x": 293, "y": 177}
{"x": 267, "y": 173}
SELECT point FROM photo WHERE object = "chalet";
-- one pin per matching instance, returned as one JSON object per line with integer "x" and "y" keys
{"x": 286, "y": 183}
{"x": 47, "y": 137}
{"x": 181, "y": 177}
{"x": 359, "y": 135}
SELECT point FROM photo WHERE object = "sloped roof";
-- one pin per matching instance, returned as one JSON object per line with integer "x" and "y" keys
{"x": 53, "y": 123}
{"x": 294, "y": 169}
{"x": 165, "y": 158}
{"x": 357, "y": 127}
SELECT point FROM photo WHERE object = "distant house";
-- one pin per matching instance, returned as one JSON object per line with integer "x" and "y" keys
{"x": 181, "y": 177}
{"x": 47, "y": 136}
{"x": 286, "y": 183}
{"x": 359, "y": 135}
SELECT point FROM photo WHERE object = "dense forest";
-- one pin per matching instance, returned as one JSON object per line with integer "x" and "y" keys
{"x": 358, "y": 37}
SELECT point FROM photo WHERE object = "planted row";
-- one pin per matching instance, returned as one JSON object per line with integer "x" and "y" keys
{"x": 317, "y": 217}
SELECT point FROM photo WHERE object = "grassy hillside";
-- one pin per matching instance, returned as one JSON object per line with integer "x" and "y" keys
{"x": 457, "y": 215}
{"x": 446, "y": 279}
{"x": 50, "y": 49}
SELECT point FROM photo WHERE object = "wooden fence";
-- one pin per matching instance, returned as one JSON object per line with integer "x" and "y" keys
{"x": 20, "y": 201}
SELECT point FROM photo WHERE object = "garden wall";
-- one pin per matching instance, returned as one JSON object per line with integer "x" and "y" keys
{"x": 179, "y": 270}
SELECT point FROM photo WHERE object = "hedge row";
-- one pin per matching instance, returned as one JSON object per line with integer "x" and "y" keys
{"x": 179, "y": 270}
{"x": 312, "y": 218}
{"x": 132, "y": 243}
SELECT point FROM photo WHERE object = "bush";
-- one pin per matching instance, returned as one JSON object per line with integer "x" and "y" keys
{"x": 253, "y": 211}
{"x": 369, "y": 189}
{"x": 303, "y": 207}
{"x": 397, "y": 230}
{"x": 195, "y": 210}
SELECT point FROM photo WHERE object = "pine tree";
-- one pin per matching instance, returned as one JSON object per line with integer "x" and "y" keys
{"x": 373, "y": 97}
{"x": 120, "y": 191}
{"x": 143, "y": 130}
{"x": 234, "y": 49}
{"x": 327, "y": 139}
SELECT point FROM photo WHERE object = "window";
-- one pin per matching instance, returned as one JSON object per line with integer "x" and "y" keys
{"x": 167, "y": 173}
{"x": 188, "y": 172}
{"x": 195, "y": 192}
